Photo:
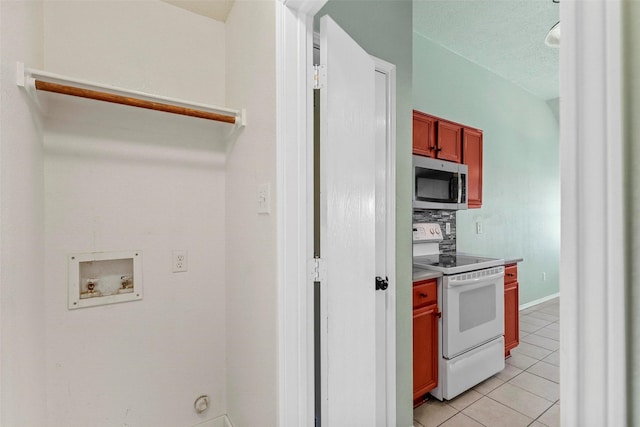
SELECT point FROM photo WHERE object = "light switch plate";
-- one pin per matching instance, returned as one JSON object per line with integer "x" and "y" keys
{"x": 264, "y": 198}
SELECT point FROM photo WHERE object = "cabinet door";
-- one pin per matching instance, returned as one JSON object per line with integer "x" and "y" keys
{"x": 449, "y": 146}
{"x": 511, "y": 310}
{"x": 472, "y": 157}
{"x": 424, "y": 134}
{"x": 425, "y": 350}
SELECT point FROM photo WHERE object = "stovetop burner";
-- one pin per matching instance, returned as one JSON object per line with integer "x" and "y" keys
{"x": 426, "y": 253}
{"x": 455, "y": 263}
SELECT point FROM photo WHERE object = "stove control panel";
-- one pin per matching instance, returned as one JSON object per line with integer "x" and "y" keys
{"x": 427, "y": 231}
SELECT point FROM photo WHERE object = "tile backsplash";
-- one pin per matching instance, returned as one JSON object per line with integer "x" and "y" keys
{"x": 448, "y": 244}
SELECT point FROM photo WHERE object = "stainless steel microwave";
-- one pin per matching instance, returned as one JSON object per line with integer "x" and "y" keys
{"x": 438, "y": 184}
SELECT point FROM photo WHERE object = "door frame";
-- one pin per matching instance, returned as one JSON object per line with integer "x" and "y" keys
{"x": 593, "y": 282}
{"x": 294, "y": 62}
{"x": 294, "y": 189}
{"x": 294, "y": 127}
{"x": 581, "y": 315}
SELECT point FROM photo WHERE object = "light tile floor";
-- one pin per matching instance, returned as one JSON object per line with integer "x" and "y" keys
{"x": 525, "y": 393}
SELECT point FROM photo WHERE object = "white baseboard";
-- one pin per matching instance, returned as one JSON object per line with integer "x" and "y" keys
{"x": 539, "y": 301}
{"x": 221, "y": 421}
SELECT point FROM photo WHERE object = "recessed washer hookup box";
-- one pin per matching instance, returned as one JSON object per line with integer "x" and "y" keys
{"x": 99, "y": 278}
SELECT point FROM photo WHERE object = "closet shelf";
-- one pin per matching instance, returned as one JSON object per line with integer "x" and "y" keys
{"x": 36, "y": 80}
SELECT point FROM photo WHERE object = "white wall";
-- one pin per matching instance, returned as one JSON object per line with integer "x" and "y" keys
{"x": 520, "y": 212}
{"x": 251, "y": 237}
{"x": 118, "y": 179}
{"x": 22, "y": 320}
{"x": 148, "y": 45}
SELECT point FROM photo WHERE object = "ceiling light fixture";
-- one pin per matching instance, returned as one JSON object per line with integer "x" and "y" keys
{"x": 553, "y": 36}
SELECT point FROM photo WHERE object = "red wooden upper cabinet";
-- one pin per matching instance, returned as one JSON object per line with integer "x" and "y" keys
{"x": 472, "y": 157}
{"x": 424, "y": 134}
{"x": 449, "y": 145}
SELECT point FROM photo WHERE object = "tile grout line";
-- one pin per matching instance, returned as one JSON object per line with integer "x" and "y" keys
{"x": 467, "y": 415}
{"x": 513, "y": 409}
{"x": 530, "y": 391}
{"x": 543, "y": 377}
{"x": 450, "y": 416}
{"x": 538, "y": 419}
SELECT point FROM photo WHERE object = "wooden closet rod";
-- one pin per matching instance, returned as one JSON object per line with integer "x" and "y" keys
{"x": 134, "y": 102}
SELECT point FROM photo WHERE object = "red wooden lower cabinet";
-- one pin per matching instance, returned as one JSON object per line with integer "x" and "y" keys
{"x": 425, "y": 338}
{"x": 511, "y": 309}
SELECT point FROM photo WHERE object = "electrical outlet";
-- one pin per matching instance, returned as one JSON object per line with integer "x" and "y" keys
{"x": 179, "y": 261}
{"x": 544, "y": 277}
{"x": 478, "y": 227}
{"x": 447, "y": 228}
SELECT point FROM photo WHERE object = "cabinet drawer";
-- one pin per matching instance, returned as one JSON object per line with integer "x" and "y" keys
{"x": 511, "y": 273}
{"x": 425, "y": 292}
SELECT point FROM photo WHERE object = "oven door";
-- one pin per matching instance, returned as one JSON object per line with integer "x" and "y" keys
{"x": 473, "y": 310}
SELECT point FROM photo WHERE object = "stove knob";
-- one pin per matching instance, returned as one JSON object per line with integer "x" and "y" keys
{"x": 432, "y": 231}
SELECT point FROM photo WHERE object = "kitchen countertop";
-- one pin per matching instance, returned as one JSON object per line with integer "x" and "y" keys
{"x": 423, "y": 274}
{"x": 507, "y": 260}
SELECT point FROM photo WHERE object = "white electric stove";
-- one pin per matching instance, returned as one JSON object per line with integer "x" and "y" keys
{"x": 471, "y": 298}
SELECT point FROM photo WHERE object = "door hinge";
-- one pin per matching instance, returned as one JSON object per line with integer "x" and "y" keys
{"x": 317, "y": 270}
{"x": 319, "y": 75}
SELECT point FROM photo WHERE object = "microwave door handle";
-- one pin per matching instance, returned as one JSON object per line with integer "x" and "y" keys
{"x": 454, "y": 188}
{"x": 460, "y": 188}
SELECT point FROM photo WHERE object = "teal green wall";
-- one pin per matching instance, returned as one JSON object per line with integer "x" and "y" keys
{"x": 631, "y": 91}
{"x": 520, "y": 213}
{"x": 383, "y": 28}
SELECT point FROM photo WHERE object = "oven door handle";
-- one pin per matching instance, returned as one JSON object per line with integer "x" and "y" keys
{"x": 475, "y": 280}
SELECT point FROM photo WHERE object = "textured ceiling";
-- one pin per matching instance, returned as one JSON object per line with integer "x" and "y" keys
{"x": 503, "y": 36}
{"x": 215, "y": 9}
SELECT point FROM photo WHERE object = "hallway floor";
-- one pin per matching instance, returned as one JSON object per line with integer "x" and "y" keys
{"x": 525, "y": 393}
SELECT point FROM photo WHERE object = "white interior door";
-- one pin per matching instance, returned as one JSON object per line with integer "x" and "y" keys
{"x": 347, "y": 231}
{"x": 381, "y": 245}
{"x": 385, "y": 243}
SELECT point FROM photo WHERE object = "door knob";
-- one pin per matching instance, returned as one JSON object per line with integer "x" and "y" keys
{"x": 382, "y": 284}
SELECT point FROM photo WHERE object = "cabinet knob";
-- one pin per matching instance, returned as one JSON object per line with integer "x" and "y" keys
{"x": 423, "y": 295}
{"x": 438, "y": 314}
